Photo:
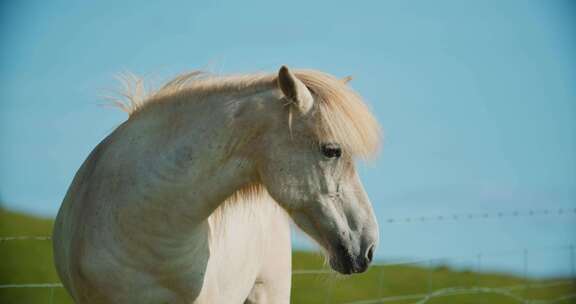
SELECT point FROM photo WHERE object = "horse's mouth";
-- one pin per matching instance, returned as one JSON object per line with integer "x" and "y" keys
{"x": 345, "y": 263}
{"x": 341, "y": 255}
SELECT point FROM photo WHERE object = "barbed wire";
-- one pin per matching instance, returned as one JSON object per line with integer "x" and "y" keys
{"x": 452, "y": 291}
{"x": 445, "y": 260}
{"x": 32, "y": 285}
{"x": 413, "y": 219}
{"x": 25, "y": 238}
{"x": 482, "y": 215}
{"x": 422, "y": 298}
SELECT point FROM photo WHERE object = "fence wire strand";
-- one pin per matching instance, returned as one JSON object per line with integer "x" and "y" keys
{"x": 482, "y": 215}
{"x": 24, "y": 238}
{"x": 420, "y": 298}
{"x": 453, "y": 291}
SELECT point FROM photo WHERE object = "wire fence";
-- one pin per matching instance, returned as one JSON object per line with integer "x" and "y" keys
{"x": 512, "y": 292}
{"x": 418, "y": 298}
{"x": 515, "y": 293}
{"x": 483, "y": 215}
{"x": 452, "y": 291}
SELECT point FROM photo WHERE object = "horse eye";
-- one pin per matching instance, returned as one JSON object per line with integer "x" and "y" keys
{"x": 331, "y": 150}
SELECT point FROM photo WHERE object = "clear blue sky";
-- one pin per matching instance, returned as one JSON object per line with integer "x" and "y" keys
{"x": 477, "y": 99}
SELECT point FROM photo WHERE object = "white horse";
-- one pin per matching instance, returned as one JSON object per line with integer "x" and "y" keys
{"x": 186, "y": 201}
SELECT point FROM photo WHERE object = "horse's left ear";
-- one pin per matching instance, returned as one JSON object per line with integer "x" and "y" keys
{"x": 295, "y": 90}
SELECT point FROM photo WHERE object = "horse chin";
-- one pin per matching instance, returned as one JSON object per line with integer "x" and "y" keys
{"x": 338, "y": 267}
{"x": 343, "y": 263}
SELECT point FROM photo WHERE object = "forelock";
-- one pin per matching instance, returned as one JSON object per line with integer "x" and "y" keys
{"x": 343, "y": 116}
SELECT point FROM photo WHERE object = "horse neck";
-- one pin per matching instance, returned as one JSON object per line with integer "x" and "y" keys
{"x": 200, "y": 154}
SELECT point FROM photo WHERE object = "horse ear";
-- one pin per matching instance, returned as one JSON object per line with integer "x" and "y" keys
{"x": 295, "y": 90}
{"x": 347, "y": 79}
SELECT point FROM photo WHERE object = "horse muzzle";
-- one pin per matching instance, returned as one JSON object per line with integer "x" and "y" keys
{"x": 344, "y": 262}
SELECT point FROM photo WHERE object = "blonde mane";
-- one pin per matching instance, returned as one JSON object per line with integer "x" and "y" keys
{"x": 343, "y": 117}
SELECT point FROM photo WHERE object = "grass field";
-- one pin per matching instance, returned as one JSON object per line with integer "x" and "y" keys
{"x": 30, "y": 261}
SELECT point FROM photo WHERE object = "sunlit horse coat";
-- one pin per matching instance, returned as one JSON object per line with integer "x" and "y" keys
{"x": 188, "y": 200}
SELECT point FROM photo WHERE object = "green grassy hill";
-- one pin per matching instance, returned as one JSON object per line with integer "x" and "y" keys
{"x": 30, "y": 261}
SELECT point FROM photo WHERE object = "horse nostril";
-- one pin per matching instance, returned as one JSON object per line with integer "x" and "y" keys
{"x": 370, "y": 253}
